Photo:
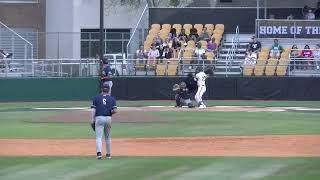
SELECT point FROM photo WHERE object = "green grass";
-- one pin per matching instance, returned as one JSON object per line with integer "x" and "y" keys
{"x": 19, "y": 125}
{"x": 154, "y": 168}
{"x": 11, "y": 106}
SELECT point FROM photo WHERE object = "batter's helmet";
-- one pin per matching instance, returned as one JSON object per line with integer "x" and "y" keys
{"x": 199, "y": 69}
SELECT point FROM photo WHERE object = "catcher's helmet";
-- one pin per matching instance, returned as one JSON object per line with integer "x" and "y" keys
{"x": 183, "y": 85}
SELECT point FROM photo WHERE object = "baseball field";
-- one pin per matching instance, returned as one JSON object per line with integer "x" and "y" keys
{"x": 246, "y": 140}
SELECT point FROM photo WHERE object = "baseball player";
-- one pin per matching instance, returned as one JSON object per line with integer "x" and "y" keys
{"x": 107, "y": 75}
{"x": 201, "y": 82}
{"x": 182, "y": 96}
{"x": 103, "y": 106}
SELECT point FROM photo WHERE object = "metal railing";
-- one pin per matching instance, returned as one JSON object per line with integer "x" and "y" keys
{"x": 20, "y": 68}
{"x": 13, "y": 42}
{"x": 139, "y": 33}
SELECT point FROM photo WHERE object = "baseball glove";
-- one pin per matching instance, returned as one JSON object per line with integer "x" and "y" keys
{"x": 93, "y": 126}
{"x": 175, "y": 87}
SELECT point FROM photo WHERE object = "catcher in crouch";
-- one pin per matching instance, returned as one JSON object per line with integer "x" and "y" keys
{"x": 182, "y": 96}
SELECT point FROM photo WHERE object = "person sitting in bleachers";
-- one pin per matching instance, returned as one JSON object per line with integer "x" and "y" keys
{"x": 153, "y": 53}
{"x": 172, "y": 34}
{"x": 199, "y": 51}
{"x": 310, "y": 15}
{"x": 316, "y": 55}
{"x": 204, "y": 35}
{"x": 255, "y": 45}
{"x": 307, "y": 55}
{"x": 194, "y": 35}
{"x": 276, "y": 50}
{"x": 212, "y": 46}
{"x": 294, "y": 54}
{"x": 183, "y": 36}
{"x": 157, "y": 40}
{"x": 5, "y": 54}
{"x": 251, "y": 58}
{"x": 140, "y": 55}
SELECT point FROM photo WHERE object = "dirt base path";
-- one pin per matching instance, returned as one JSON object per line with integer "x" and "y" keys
{"x": 257, "y": 146}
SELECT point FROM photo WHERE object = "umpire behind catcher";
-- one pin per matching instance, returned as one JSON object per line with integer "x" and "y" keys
{"x": 106, "y": 77}
{"x": 191, "y": 84}
{"x": 182, "y": 96}
{"x": 103, "y": 106}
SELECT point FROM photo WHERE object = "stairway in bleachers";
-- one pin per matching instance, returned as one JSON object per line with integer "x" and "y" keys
{"x": 14, "y": 44}
{"x": 226, "y": 67}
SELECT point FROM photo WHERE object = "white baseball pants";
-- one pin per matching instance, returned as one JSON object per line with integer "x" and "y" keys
{"x": 201, "y": 90}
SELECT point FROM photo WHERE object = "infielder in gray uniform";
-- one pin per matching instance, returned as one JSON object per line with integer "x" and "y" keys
{"x": 103, "y": 106}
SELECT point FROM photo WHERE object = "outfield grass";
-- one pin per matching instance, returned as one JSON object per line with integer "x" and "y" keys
{"x": 12, "y": 106}
{"x": 154, "y": 168}
{"x": 19, "y": 125}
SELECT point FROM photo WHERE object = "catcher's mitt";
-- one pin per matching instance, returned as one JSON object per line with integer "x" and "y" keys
{"x": 175, "y": 87}
{"x": 93, "y": 126}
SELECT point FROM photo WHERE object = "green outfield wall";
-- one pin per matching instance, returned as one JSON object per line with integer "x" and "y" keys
{"x": 48, "y": 89}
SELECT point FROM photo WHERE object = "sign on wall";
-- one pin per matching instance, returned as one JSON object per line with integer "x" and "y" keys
{"x": 288, "y": 29}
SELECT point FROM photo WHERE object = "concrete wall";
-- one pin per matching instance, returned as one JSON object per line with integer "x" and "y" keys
{"x": 26, "y": 15}
{"x": 73, "y": 15}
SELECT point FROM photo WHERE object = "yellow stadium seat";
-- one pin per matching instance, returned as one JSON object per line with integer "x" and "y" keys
{"x": 187, "y": 28}
{"x": 172, "y": 69}
{"x": 173, "y": 61}
{"x": 166, "y": 26}
{"x": 187, "y": 56}
{"x": 210, "y": 56}
{"x": 155, "y": 26}
{"x": 177, "y": 26}
{"x": 220, "y": 26}
{"x": 204, "y": 44}
{"x": 191, "y": 44}
{"x": 209, "y": 26}
{"x": 259, "y": 67}
{"x": 271, "y": 67}
{"x": 161, "y": 69}
{"x": 282, "y": 67}
{"x": 248, "y": 70}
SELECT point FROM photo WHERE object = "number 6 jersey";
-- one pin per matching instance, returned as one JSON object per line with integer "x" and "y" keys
{"x": 201, "y": 78}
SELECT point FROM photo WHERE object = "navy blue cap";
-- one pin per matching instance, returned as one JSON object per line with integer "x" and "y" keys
{"x": 105, "y": 86}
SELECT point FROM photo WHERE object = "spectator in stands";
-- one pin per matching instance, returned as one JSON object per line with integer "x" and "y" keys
{"x": 5, "y": 54}
{"x": 183, "y": 36}
{"x": 255, "y": 45}
{"x": 194, "y": 35}
{"x": 251, "y": 58}
{"x": 141, "y": 53}
{"x": 307, "y": 55}
{"x": 212, "y": 46}
{"x": 172, "y": 34}
{"x": 276, "y": 50}
{"x": 176, "y": 44}
{"x": 199, "y": 51}
{"x": 316, "y": 55}
{"x": 153, "y": 53}
{"x": 204, "y": 35}
{"x": 317, "y": 11}
{"x": 290, "y": 17}
{"x": 167, "y": 53}
{"x": 166, "y": 43}
{"x": 294, "y": 54}
{"x": 158, "y": 41}
{"x": 310, "y": 15}
{"x": 304, "y": 11}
